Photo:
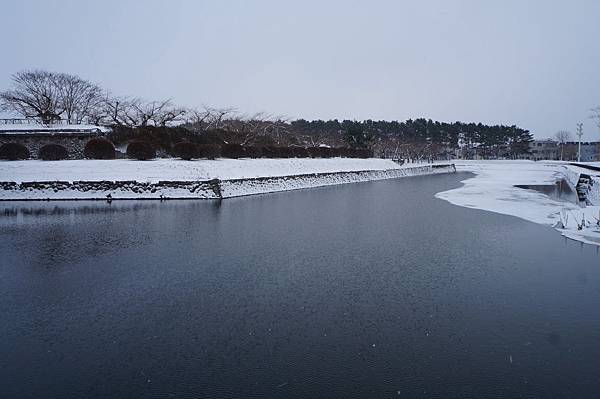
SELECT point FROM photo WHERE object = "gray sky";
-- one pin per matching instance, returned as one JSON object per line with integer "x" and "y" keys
{"x": 531, "y": 63}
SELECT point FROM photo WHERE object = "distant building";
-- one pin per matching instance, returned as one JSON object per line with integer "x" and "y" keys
{"x": 543, "y": 150}
{"x": 590, "y": 151}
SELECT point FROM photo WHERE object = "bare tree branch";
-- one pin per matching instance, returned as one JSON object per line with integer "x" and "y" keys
{"x": 35, "y": 94}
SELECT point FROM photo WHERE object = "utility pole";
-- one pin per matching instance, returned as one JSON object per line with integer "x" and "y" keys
{"x": 579, "y": 134}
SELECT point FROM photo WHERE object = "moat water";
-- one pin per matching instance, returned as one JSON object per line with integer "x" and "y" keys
{"x": 374, "y": 290}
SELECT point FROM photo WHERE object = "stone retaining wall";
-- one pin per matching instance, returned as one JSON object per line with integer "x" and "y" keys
{"x": 201, "y": 189}
{"x": 73, "y": 142}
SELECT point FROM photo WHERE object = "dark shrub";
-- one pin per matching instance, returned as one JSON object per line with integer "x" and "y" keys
{"x": 286, "y": 152}
{"x": 209, "y": 151}
{"x": 325, "y": 152}
{"x": 53, "y": 152}
{"x": 232, "y": 151}
{"x": 99, "y": 148}
{"x": 141, "y": 150}
{"x": 13, "y": 151}
{"x": 185, "y": 150}
{"x": 300, "y": 152}
{"x": 314, "y": 152}
{"x": 347, "y": 152}
{"x": 263, "y": 141}
{"x": 270, "y": 151}
{"x": 338, "y": 152}
{"x": 163, "y": 137}
{"x": 356, "y": 153}
{"x": 253, "y": 151}
{"x": 363, "y": 153}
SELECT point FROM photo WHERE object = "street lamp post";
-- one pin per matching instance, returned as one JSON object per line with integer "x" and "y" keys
{"x": 579, "y": 134}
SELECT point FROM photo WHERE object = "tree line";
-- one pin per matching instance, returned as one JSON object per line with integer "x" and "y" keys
{"x": 49, "y": 96}
{"x": 422, "y": 138}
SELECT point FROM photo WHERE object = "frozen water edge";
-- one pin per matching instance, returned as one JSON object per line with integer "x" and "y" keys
{"x": 493, "y": 189}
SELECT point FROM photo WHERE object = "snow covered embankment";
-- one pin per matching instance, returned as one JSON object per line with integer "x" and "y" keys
{"x": 234, "y": 188}
{"x": 572, "y": 174}
{"x": 493, "y": 188}
{"x": 31, "y": 180}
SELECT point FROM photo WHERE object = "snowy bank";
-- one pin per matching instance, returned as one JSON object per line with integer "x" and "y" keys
{"x": 27, "y": 128}
{"x": 493, "y": 188}
{"x": 179, "y": 170}
{"x": 239, "y": 187}
{"x": 573, "y": 174}
{"x": 223, "y": 178}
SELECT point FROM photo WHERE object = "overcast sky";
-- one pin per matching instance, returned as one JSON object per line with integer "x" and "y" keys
{"x": 531, "y": 63}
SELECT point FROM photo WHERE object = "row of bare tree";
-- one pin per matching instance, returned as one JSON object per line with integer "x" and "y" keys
{"x": 49, "y": 96}
{"x": 411, "y": 150}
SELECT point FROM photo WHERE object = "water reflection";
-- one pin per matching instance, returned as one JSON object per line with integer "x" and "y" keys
{"x": 560, "y": 190}
{"x": 69, "y": 231}
{"x": 37, "y": 209}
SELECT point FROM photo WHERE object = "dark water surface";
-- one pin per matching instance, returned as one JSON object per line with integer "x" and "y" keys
{"x": 371, "y": 290}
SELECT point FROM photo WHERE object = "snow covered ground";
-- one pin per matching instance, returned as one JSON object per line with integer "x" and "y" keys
{"x": 169, "y": 178}
{"x": 179, "y": 170}
{"x": 16, "y": 128}
{"x": 493, "y": 189}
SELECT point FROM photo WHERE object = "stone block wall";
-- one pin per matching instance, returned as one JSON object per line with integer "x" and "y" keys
{"x": 73, "y": 142}
{"x": 200, "y": 189}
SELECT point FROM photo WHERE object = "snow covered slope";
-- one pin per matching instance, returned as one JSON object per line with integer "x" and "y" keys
{"x": 174, "y": 169}
{"x": 223, "y": 178}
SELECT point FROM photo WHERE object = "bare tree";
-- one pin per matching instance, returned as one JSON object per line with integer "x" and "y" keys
{"x": 232, "y": 127}
{"x": 198, "y": 119}
{"x": 157, "y": 113}
{"x": 115, "y": 111}
{"x": 169, "y": 115}
{"x": 48, "y": 96}
{"x": 78, "y": 98}
{"x": 207, "y": 118}
{"x": 388, "y": 147}
{"x": 125, "y": 111}
{"x": 279, "y": 129}
{"x": 35, "y": 94}
{"x": 140, "y": 113}
{"x": 220, "y": 116}
{"x": 563, "y": 137}
{"x": 416, "y": 151}
{"x": 259, "y": 127}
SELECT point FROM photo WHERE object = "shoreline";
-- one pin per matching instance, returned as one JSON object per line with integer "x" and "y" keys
{"x": 493, "y": 188}
{"x": 119, "y": 190}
